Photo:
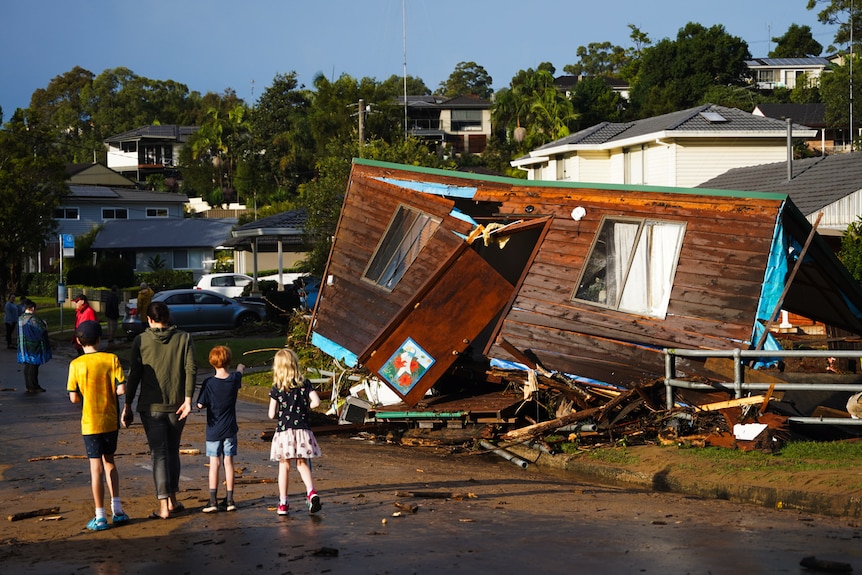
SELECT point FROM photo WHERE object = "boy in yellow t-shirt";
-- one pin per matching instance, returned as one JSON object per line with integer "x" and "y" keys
{"x": 96, "y": 379}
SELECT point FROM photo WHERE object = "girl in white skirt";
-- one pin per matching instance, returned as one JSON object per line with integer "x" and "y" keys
{"x": 291, "y": 399}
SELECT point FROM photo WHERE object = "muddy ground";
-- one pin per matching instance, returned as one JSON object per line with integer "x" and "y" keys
{"x": 474, "y": 513}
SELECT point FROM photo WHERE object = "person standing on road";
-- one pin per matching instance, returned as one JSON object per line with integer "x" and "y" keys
{"x": 112, "y": 312}
{"x": 83, "y": 312}
{"x": 145, "y": 296}
{"x": 291, "y": 400}
{"x": 34, "y": 346}
{"x": 95, "y": 381}
{"x": 11, "y": 311}
{"x": 218, "y": 395}
{"x": 162, "y": 365}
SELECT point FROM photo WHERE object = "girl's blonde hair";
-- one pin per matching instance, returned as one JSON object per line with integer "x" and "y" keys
{"x": 285, "y": 370}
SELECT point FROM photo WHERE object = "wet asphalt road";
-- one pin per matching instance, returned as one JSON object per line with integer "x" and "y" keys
{"x": 503, "y": 520}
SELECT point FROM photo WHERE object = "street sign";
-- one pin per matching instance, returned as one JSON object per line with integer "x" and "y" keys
{"x": 68, "y": 242}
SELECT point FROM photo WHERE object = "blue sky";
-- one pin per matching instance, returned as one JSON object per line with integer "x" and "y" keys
{"x": 211, "y": 45}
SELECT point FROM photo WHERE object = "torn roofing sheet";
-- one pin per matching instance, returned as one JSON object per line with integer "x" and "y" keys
{"x": 437, "y": 189}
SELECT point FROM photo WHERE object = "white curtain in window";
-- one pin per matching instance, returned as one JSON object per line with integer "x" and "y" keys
{"x": 624, "y": 239}
{"x": 648, "y": 285}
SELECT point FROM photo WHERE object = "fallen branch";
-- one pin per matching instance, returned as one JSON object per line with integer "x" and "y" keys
{"x": 253, "y": 480}
{"x": 436, "y": 494}
{"x": 531, "y": 431}
{"x": 56, "y": 457}
{"x": 36, "y": 513}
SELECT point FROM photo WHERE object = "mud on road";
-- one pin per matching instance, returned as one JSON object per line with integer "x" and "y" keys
{"x": 497, "y": 518}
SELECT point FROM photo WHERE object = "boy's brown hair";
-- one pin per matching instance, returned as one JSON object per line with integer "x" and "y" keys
{"x": 220, "y": 357}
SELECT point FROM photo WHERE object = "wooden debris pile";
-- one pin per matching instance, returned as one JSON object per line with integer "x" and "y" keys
{"x": 591, "y": 414}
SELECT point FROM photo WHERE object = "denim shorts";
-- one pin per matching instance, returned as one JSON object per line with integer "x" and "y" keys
{"x": 225, "y": 446}
{"x": 101, "y": 444}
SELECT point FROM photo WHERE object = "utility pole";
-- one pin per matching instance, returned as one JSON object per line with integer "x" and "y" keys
{"x": 361, "y": 125}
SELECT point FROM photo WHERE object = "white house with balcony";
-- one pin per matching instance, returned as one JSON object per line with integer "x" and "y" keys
{"x": 148, "y": 150}
{"x": 771, "y": 73}
{"x": 681, "y": 149}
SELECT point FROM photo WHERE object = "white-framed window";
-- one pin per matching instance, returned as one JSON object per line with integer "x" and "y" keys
{"x": 157, "y": 212}
{"x": 129, "y": 146}
{"x": 631, "y": 265}
{"x": 67, "y": 213}
{"x": 408, "y": 232}
{"x": 115, "y": 214}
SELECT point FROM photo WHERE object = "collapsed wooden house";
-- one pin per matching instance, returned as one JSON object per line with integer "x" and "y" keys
{"x": 429, "y": 266}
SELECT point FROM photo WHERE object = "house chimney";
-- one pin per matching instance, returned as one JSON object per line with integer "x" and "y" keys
{"x": 789, "y": 149}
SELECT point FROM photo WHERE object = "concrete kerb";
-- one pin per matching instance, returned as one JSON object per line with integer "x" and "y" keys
{"x": 791, "y": 499}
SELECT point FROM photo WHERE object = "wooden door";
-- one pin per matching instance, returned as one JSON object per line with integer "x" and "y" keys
{"x": 438, "y": 325}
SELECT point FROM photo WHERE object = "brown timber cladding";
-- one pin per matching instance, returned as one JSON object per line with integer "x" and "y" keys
{"x": 715, "y": 290}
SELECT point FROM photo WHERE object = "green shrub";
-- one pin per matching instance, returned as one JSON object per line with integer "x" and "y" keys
{"x": 167, "y": 279}
{"x": 41, "y": 284}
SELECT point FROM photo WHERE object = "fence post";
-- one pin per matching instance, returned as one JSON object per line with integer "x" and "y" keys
{"x": 669, "y": 374}
{"x": 737, "y": 372}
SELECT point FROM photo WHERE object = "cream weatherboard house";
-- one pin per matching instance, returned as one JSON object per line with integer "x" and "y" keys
{"x": 681, "y": 149}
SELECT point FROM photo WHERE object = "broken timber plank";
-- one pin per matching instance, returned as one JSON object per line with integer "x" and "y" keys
{"x": 754, "y": 399}
{"x": 534, "y": 430}
{"x": 55, "y": 457}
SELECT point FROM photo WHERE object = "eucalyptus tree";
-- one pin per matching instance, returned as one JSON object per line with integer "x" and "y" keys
{"x": 281, "y": 147}
{"x": 675, "y": 74}
{"x": 797, "y": 42}
{"x": 838, "y": 12}
{"x": 60, "y": 110}
{"x": 32, "y": 176}
{"x": 468, "y": 78}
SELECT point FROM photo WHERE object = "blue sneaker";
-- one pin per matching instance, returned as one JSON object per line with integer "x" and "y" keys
{"x": 120, "y": 518}
{"x": 97, "y": 524}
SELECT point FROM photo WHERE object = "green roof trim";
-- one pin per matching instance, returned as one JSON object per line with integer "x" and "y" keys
{"x": 555, "y": 184}
{"x": 419, "y": 414}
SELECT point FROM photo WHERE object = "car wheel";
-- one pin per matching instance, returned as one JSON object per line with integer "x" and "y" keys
{"x": 246, "y": 319}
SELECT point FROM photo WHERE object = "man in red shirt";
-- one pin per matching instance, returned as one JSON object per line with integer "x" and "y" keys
{"x": 83, "y": 312}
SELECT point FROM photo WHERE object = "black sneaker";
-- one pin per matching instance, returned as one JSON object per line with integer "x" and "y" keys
{"x": 314, "y": 503}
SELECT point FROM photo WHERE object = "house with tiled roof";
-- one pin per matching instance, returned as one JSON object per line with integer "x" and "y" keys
{"x": 828, "y": 184}
{"x": 148, "y": 150}
{"x": 828, "y": 140}
{"x": 679, "y": 149}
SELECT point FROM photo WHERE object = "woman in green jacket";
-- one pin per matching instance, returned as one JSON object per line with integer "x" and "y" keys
{"x": 163, "y": 367}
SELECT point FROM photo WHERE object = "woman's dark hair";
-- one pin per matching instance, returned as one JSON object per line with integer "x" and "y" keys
{"x": 158, "y": 312}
